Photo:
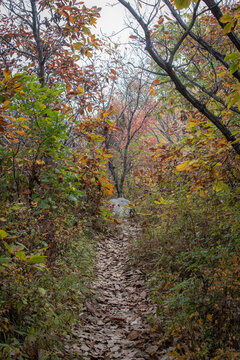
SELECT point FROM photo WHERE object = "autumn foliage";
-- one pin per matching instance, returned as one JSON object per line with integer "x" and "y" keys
{"x": 52, "y": 170}
{"x": 73, "y": 134}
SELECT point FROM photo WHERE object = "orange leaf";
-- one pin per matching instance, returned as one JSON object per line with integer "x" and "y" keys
{"x": 68, "y": 87}
{"x": 20, "y": 132}
{"x": 160, "y": 21}
{"x": 117, "y": 221}
{"x": 152, "y": 91}
{"x": 11, "y": 134}
{"x": 71, "y": 19}
{"x": 113, "y": 72}
{"x": 156, "y": 82}
{"x": 5, "y": 104}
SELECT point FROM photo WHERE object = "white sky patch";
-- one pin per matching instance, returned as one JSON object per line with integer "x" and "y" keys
{"x": 112, "y": 21}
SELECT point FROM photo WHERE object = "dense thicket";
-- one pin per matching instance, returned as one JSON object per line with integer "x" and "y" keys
{"x": 169, "y": 140}
{"x": 52, "y": 172}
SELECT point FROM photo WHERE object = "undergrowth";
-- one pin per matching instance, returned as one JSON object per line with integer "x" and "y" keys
{"x": 51, "y": 209}
{"x": 40, "y": 302}
{"x": 190, "y": 249}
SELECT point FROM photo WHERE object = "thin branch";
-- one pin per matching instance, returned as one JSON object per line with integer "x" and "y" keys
{"x": 183, "y": 37}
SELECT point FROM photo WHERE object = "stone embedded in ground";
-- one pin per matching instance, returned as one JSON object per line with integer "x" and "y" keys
{"x": 120, "y": 207}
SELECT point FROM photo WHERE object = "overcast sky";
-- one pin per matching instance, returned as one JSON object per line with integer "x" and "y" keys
{"x": 112, "y": 18}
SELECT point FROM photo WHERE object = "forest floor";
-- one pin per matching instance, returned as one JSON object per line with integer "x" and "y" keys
{"x": 114, "y": 323}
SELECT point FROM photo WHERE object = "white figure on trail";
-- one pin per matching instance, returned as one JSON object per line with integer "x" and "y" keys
{"x": 120, "y": 207}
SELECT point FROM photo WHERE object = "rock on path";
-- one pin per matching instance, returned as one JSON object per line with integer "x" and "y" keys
{"x": 114, "y": 322}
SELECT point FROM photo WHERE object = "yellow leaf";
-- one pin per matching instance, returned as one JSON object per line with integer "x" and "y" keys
{"x": 3, "y": 234}
{"x": 21, "y": 119}
{"x": 222, "y": 74}
{"x": 183, "y": 166}
{"x": 80, "y": 89}
{"x": 25, "y": 126}
{"x": 78, "y": 45}
{"x": 7, "y": 74}
{"x": 117, "y": 221}
{"x": 196, "y": 188}
{"x": 191, "y": 124}
{"x": 162, "y": 201}
{"x": 209, "y": 317}
{"x": 40, "y": 162}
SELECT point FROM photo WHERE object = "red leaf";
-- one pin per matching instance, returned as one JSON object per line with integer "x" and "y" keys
{"x": 156, "y": 82}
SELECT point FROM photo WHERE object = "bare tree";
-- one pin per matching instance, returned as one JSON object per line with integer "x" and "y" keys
{"x": 135, "y": 106}
{"x": 174, "y": 58}
{"x": 40, "y": 37}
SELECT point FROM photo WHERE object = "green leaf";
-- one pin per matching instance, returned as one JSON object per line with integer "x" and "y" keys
{"x": 8, "y": 247}
{"x": 233, "y": 68}
{"x": 226, "y": 18}
{"x": 162, "y": 201}
{"x": 31, "y": 330}
{"x": 44, "y": 205}
{"x": 228, "y": 28}
{"x": 21, "y": 255}
{"x": 4, "y": 260}
{"x": 37, "y": 259}
{"x": 220, "y": 186}
{"x": 72, "y": 198}
{"x": 182, "y": 4}
{"x": 42, "y": 291}
{"x": 232, "y": 57}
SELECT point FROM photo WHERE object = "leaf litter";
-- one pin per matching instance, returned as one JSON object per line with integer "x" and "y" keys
{"x": 114, "y": 322}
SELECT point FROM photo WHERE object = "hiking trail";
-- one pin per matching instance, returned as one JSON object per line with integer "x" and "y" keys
{"x": 114, "y": 324}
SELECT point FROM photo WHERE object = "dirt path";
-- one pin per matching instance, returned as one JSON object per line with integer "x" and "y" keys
{"x": 115, "y": 325}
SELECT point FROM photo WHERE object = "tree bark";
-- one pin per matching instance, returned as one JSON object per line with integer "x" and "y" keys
{"x": 217, "y": 13}
{"x": 217, "y": 55}
{"x": 180, "y": 87}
